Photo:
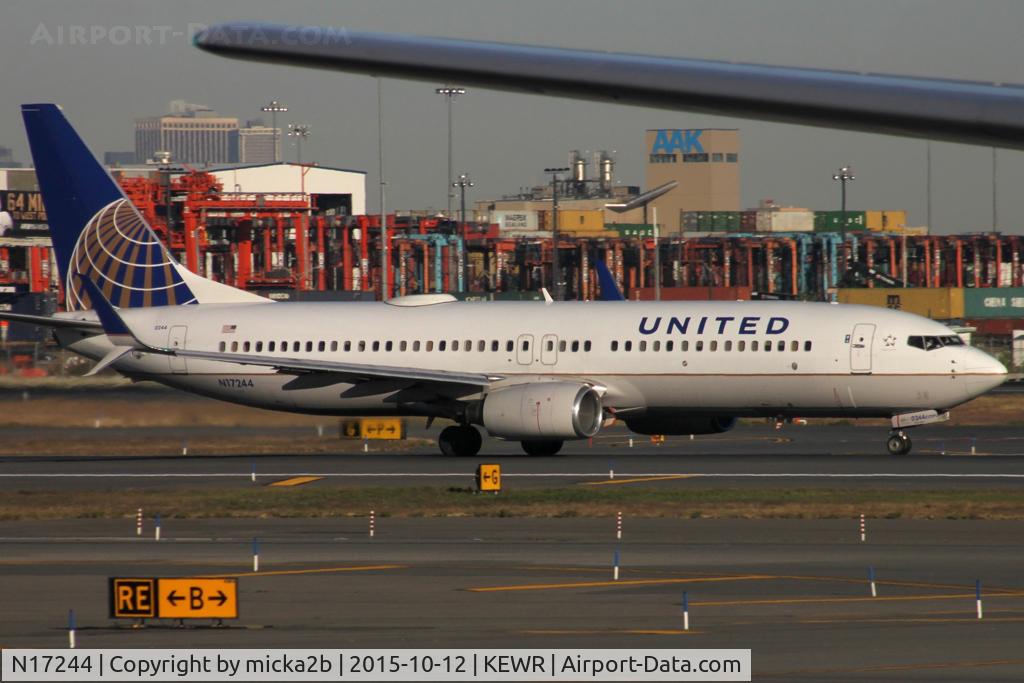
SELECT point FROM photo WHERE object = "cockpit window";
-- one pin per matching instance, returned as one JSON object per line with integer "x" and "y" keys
{"x": 932, "y": 343}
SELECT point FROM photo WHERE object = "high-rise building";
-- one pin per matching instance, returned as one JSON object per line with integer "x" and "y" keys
{"x": 191, "y": 134}
{"x": 258, "y": 144}
{"x": 705, "y": 162}
{"x": 119, "y": 158}
{"x": 7, "y": 158}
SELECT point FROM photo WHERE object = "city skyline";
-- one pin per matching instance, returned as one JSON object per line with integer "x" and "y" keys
{"x": 505, "y": 140}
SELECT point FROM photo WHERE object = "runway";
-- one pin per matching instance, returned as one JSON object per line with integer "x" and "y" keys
{"x": 795, "y": 591}
{"x": 753, "y": 455}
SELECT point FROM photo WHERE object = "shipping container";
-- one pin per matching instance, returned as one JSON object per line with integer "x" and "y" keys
{"x": 994, "y": 327}
{"x": 941, "y": 303}
{"x": 628, "y": 230}
{"x": 688, "y": 220}
{"x": 885, "y": 221}
{"x": 515, "y": 220}
{"x": 832, "y": 221}
{"x": 785, "y": 220}
{"x": 748, "y": 221}
{"x": 994, "y": 302}
{"x": 725, "y": 221}
{"x": 693, "y": 294}
{"x": 576, "y": 220}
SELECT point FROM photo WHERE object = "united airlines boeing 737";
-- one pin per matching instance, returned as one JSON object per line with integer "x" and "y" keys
{"x": 535, "y": 372}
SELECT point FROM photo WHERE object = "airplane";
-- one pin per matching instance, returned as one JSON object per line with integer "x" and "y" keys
{"x": 540, "y": 373}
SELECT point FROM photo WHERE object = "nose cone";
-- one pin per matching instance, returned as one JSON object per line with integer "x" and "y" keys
{"x": 984, "y": 372}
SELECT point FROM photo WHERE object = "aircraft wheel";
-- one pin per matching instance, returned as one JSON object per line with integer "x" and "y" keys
{"x": 460, "y": 441}
{"x": 898, "y": 444}
{"x": 541, "y": 447}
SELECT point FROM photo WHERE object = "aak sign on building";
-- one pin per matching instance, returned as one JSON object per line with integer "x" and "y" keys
{"x": 677, "y": 141}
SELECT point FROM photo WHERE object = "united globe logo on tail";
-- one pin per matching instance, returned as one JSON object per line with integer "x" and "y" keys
{"x": 119, "y": 252}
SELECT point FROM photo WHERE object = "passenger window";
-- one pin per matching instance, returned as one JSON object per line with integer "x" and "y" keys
{"x": 481, "y": 346}
{"x": 657, "y": 346}
{"x": 794, "y": 346}
{"x": 807, "y": 346}
{"x": 296, "y": 346}
{"x": 509, "y": 346}
{"x": 643, "y": 345}
{"x": 669, "y": 345}
{"x": 628, "y": 346}
{"x": 586, "y": 346}
{"x": 223, "y": 346}
{"x": 245, "y": 347}
{"x": 526, "y": 345}
{"x": 684, "y": 345}
{"x": 714, "y": 345}
{"x": 402, "y": 346}
{"x": 615, "y": 346}
{"x": 416, "y": 345}
{"x": 389, "y": 345}
{"x": 780, "y": 345}
{"x": 348, "y": 346}
{"x": 469, "y": 345}
{"x": 561, "y": 346}
{"x": 767, "y": 346}
{"x": 455, "y": 345}
{"x": 551, "y": 345}
{"x": 376, "y": 345}
{"x": 741, "y": 345}
{"x": 753, "y": 345}
{"x": 321, "y": 347}
{"x": 575, "y": 346}
{"x": 234, "y": 346}
{"x": 442, "y": 345}
{"x": 259, "y": 346}
{"x": 309, "y": 347}
{"x": 430, "y": 346}
{"x": 728, "y": 345}
{"x": 700, "y": 345}
{"x": 495, "y": 346}
{"x": 334, "y": 346}
{"x": 362, "y": 346}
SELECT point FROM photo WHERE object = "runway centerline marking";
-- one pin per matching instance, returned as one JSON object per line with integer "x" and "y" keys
{"x": 295, "y": 481}
{"x": 626, "y": 582}
{"x": 294, "y": 572}
{"x": 607, "y": 482}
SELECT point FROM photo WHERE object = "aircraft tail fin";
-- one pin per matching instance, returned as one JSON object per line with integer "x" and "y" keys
{"x": 606, "y": 283}
{"x": 98, "y": 235}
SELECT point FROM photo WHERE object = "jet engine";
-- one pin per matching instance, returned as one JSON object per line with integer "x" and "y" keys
{"x": 681, "y": 425}
{"x": 542, "y": 410}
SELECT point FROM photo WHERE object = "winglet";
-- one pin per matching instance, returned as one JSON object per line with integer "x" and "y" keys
{"x": 609, "y": 289}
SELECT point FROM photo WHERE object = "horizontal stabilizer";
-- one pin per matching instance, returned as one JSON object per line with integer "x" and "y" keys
{"x": 112, "y": 357}
{"x": 47, "y": 321}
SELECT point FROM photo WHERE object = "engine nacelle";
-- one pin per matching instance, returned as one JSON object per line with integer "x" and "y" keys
{"x": 681, "y": 425}
{"x": 542, "y": 410}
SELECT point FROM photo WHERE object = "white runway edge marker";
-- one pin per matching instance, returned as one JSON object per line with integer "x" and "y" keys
{"x": 253, "y": 475}
{"x": 373, "y": 520}
{"x": 618, "y": 525}
{"x": 871, "y": 578}
{"x": 138, "y": 522}
{"x": 863, "y": 534}
{"x": 615, "y": 566}
{"x": 255, "y": 555}
{"x": 156, "y": 528}
{"x": 977, "y": 596}
{"x": 686, "y": 611}
{"x": 71, "y": 629}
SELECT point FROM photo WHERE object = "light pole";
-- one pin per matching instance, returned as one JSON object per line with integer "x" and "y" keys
{"x": 462, "y": 183}
{"x": 274, "y": 107}
{"x": 451, "y": 94}
{"x": 299, "y": 131}
{"x": 555, "y": 271}
{"x": 844, "y": 176}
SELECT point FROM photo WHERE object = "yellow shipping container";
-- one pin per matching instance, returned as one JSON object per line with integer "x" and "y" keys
{"x": 885, "y": 221}
{"x": 873, "y": 220}
{"x": 571, "y": 219}
{"x": 943, "y": 303}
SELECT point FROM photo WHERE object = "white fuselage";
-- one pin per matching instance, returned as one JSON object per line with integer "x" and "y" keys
{"x": 709, "y": 358}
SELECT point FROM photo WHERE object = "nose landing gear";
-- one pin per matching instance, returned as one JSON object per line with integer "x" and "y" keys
{"x": 899, "y": 443}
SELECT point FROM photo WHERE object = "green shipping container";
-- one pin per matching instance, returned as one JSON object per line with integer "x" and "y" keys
{"x": 725, "y": 221}
{"x": 632, "y": 229}
{"x": 832, "y": 221}
{"x": 994, "y": 302}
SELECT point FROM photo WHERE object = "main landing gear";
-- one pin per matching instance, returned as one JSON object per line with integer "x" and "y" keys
{"x": 461, "y": 441}
{"x": 899, "y": 443}
{"x": 541, "y": 447}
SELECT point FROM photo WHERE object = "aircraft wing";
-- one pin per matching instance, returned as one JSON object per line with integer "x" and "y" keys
{"x": 990, "y": 114}
{"x": 47, "y": 321}
{"x": 356, "y": 371}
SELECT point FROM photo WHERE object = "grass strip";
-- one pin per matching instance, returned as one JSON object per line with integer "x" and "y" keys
{"x": 424, "y": 501}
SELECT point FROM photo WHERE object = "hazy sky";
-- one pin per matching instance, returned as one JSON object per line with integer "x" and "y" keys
{"x": 138, "y": 56}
